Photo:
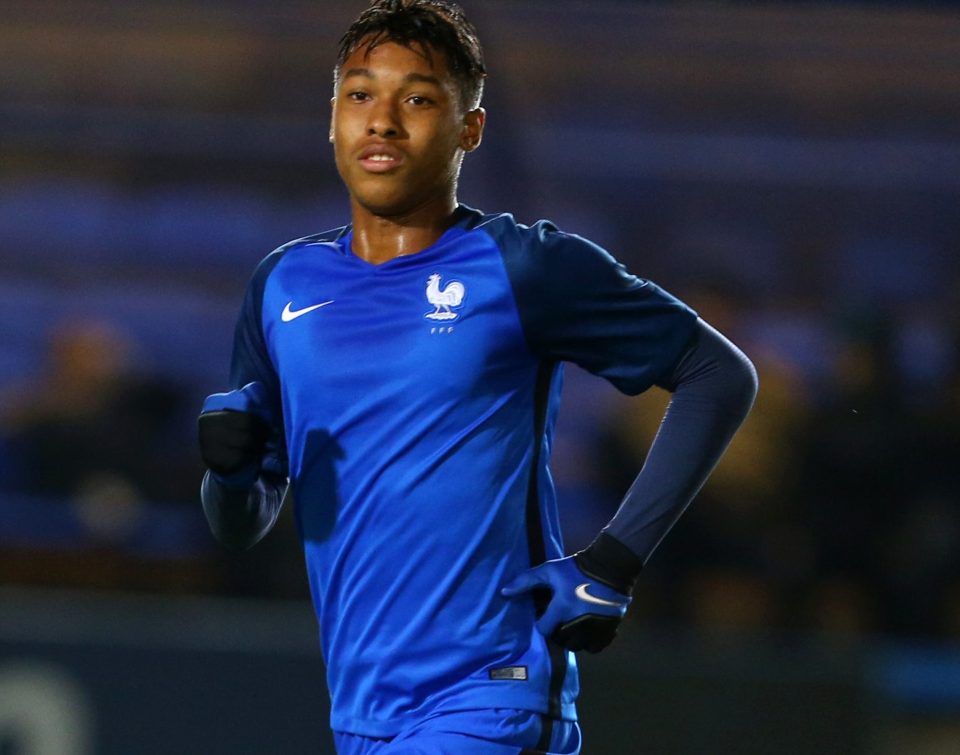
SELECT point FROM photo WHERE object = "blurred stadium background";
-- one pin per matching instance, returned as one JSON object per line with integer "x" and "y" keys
{"x": 791, "y": 169}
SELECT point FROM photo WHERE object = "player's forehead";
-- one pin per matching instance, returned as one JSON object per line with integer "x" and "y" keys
{"x": 388, "y": 59}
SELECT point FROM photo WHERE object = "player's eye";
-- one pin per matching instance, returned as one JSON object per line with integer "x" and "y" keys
{"x": 417, "y": 99}
{"x": 358, "y": 96}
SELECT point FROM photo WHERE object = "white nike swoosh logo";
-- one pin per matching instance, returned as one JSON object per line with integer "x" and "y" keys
{"x": 582, "y": 593}
{"x": 292, "y": 314}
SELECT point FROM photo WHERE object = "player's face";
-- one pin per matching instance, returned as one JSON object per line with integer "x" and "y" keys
{"x": 398, "y": 130}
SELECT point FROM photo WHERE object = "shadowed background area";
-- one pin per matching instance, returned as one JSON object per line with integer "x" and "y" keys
{"x": 791, "y": 170}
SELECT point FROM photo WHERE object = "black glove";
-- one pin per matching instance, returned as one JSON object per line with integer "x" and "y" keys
{"x": 233, "y": 433}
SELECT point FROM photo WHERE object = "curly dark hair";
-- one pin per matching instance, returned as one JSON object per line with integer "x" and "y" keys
{"x": 432, "y": 25}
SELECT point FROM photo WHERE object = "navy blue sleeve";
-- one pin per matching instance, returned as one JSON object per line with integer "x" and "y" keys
{"x": 251, "y": 361}
{"x": 579, "y": 304}
{"x": 240, "y": 517}
{"x": 714, "y": 385}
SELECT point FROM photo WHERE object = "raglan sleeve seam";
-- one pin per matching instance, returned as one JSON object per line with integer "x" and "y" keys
{"x": 591, "y": 311}
{"x": 515, "y": 271}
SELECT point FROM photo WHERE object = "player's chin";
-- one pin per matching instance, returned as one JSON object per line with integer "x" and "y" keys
{"x": 388, "y": 201}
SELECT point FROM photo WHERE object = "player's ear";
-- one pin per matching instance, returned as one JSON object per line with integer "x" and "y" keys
{"x": 472, "y": 133}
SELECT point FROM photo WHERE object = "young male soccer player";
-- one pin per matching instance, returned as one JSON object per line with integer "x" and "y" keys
{"x": 404, "y": 373}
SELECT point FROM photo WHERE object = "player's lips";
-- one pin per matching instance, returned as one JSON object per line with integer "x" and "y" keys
{"x": 380, "y": 158}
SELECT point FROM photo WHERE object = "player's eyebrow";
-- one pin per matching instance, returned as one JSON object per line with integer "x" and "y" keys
{"x": 359, "y": 72}
{"x": 410, "y": 77}
{"x": 423, "y": 78}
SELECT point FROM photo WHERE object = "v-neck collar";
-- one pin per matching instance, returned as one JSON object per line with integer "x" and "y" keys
{"x": 462, "y": 217}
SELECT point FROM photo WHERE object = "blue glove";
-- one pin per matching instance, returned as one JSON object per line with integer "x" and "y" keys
{"x": 583, "y": 613}
{"x": 234, "y": 428}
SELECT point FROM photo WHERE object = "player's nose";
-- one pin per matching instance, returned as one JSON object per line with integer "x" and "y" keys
{"x": 384, "y": 120}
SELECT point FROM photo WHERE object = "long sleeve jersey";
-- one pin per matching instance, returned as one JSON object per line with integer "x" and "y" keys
{"x": 414, "y": 405}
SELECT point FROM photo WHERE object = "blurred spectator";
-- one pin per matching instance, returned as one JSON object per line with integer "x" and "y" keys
{"x": 93, "y": 448}
{"x": 90, "y": 428}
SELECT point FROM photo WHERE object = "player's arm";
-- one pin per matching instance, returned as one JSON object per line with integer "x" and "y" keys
{"x": 713, "y": 386}
{"x": 241, "y": 434}
{"x": 242, "y": 491}
{"x": 589, "y": 310}
{"x": 240, "y": 518}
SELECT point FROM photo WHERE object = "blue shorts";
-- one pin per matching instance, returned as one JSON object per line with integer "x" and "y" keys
{"x": 499, "y": 731}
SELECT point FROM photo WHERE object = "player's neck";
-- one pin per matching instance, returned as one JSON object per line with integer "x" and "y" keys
{"x": 380, "y": 238}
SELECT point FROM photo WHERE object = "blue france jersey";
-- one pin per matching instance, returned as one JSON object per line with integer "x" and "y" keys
{"x": 418, "y": 400}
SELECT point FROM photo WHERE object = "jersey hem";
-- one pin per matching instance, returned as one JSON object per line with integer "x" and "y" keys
{"x": 391, "y": 727}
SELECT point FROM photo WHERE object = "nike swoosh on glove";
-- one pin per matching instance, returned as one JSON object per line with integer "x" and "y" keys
{"x": 583, "y": 612}
{"x": 233, "y": 431}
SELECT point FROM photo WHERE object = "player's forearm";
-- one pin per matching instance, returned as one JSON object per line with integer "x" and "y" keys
{"x": 714, "y": 386}
{"x": 240, "y": 517}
